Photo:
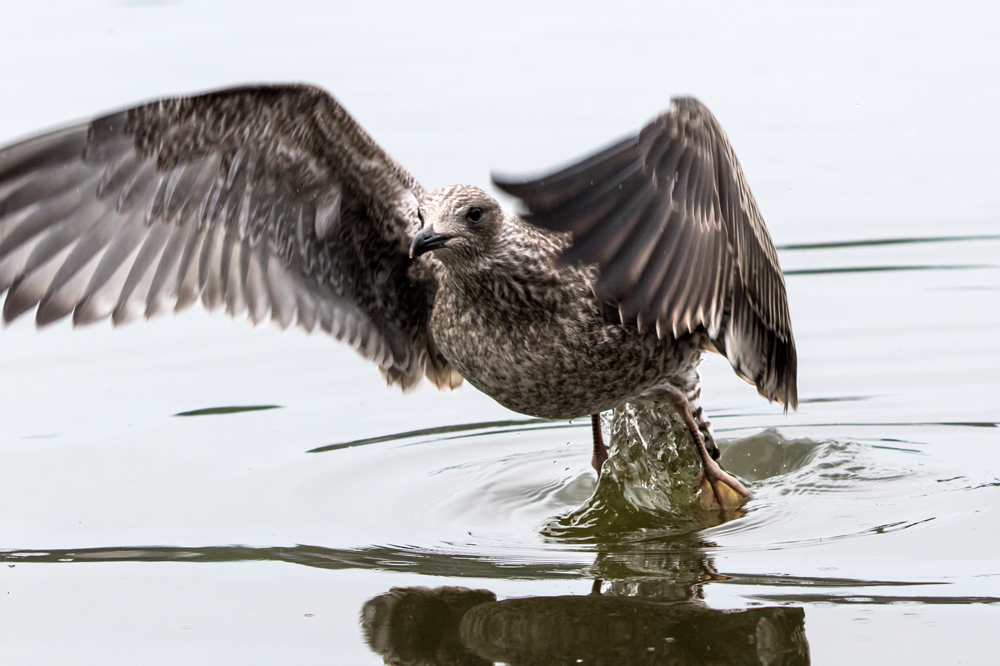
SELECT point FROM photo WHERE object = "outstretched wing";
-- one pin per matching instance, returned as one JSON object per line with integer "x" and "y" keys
{"x": 669, "y": 219}
{"x": 267, "y": 200}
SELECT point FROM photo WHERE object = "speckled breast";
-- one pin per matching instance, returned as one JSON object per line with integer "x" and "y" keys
{"x": 554, "y": 364}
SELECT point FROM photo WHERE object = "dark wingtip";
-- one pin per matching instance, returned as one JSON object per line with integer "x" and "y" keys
{"x": 554, "y": 188}
{"x": 793, "y": 397}
{"x": 507, "y": 182}
{"x": 789, "y": 376}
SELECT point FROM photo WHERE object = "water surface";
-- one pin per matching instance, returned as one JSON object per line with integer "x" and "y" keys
{"x": 194, "y": 490}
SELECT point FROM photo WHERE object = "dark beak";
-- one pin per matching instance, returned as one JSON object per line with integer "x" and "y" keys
{"x": 427, "y": 240}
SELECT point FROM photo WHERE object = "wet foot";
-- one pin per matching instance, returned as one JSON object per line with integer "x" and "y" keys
{"x": 720, "y": 490}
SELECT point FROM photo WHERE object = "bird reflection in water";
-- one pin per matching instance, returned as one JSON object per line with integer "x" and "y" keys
{"x": 643, "y": 618}
{"x": 647, "y": 603}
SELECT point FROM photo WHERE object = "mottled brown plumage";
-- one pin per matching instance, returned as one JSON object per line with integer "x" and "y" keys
{"x": 264, "y": 199}
{"x": 668, "y": 218}
{"x": 529, "y": 332}
{"x": 271, "y": 200}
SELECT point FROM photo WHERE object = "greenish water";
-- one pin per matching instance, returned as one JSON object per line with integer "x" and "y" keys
{"x": 156, "y": 506}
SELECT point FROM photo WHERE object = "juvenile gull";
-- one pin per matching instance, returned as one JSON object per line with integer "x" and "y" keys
{"x": 272, "y": 201}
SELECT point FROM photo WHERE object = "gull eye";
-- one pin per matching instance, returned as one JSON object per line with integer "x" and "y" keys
{"x": 474, "y": 214}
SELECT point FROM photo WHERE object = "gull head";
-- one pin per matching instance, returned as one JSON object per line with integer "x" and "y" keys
{"x": 461, "y": 225}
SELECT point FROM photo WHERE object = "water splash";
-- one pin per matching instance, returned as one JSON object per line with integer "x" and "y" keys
{"x": 649, "y": 484}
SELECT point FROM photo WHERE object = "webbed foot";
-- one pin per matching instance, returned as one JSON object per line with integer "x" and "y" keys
{"x": 721, "y": 490}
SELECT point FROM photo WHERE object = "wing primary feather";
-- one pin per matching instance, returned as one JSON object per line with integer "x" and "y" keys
{"x": 680, "y": 276}
{"x": 167, "y": 269}
{"x": 205, "y": 256}
{"x": 233, "y": 288}
{"x": 718, "y": 309}
{"x": 697, "y": 277}
{"x": 229, "y": 245}
{"x": 188, "y": 276}
{"x": 693, "y": 191}
{"x": 708, "y": 303}
{"x": 79, "y": 267}
{"x": 149, "y": 253}
{"x": 600, "y": 242}
{"x": 40, "y": 152}
{"x": 641, "y": 298}
{"x": 63, "y": 233}
{"x": 50, "y": 183}
{"x": 101, "y": 294}
{"x": 553, "y": 189}
{"x": 329, "y": 319}
{"x": 254, "y": 288}
{"x": 59, "y": 303}
{"x": 210, "y": 268}
{"x": 29, "y": 288}
{"x": 600, "y": 198}
{"x": 42, "y": 217}
{"x": 286, "y": 302}
{"x": 127, "y": 238}
{"x": 627, "y": 265}
{"x": 12, "y": 263}
{"x": 246, "y": 254}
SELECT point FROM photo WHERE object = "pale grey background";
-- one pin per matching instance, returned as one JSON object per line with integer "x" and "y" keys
{"x": 853, "y": 120}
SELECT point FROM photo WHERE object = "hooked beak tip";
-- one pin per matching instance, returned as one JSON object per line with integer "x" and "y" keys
{"x": 427, "y": 240}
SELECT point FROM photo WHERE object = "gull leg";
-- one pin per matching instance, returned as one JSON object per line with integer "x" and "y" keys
{"x": 727, "y": 492}
{"x": 600, "y": 450}
{"x": 689, "y": 385}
